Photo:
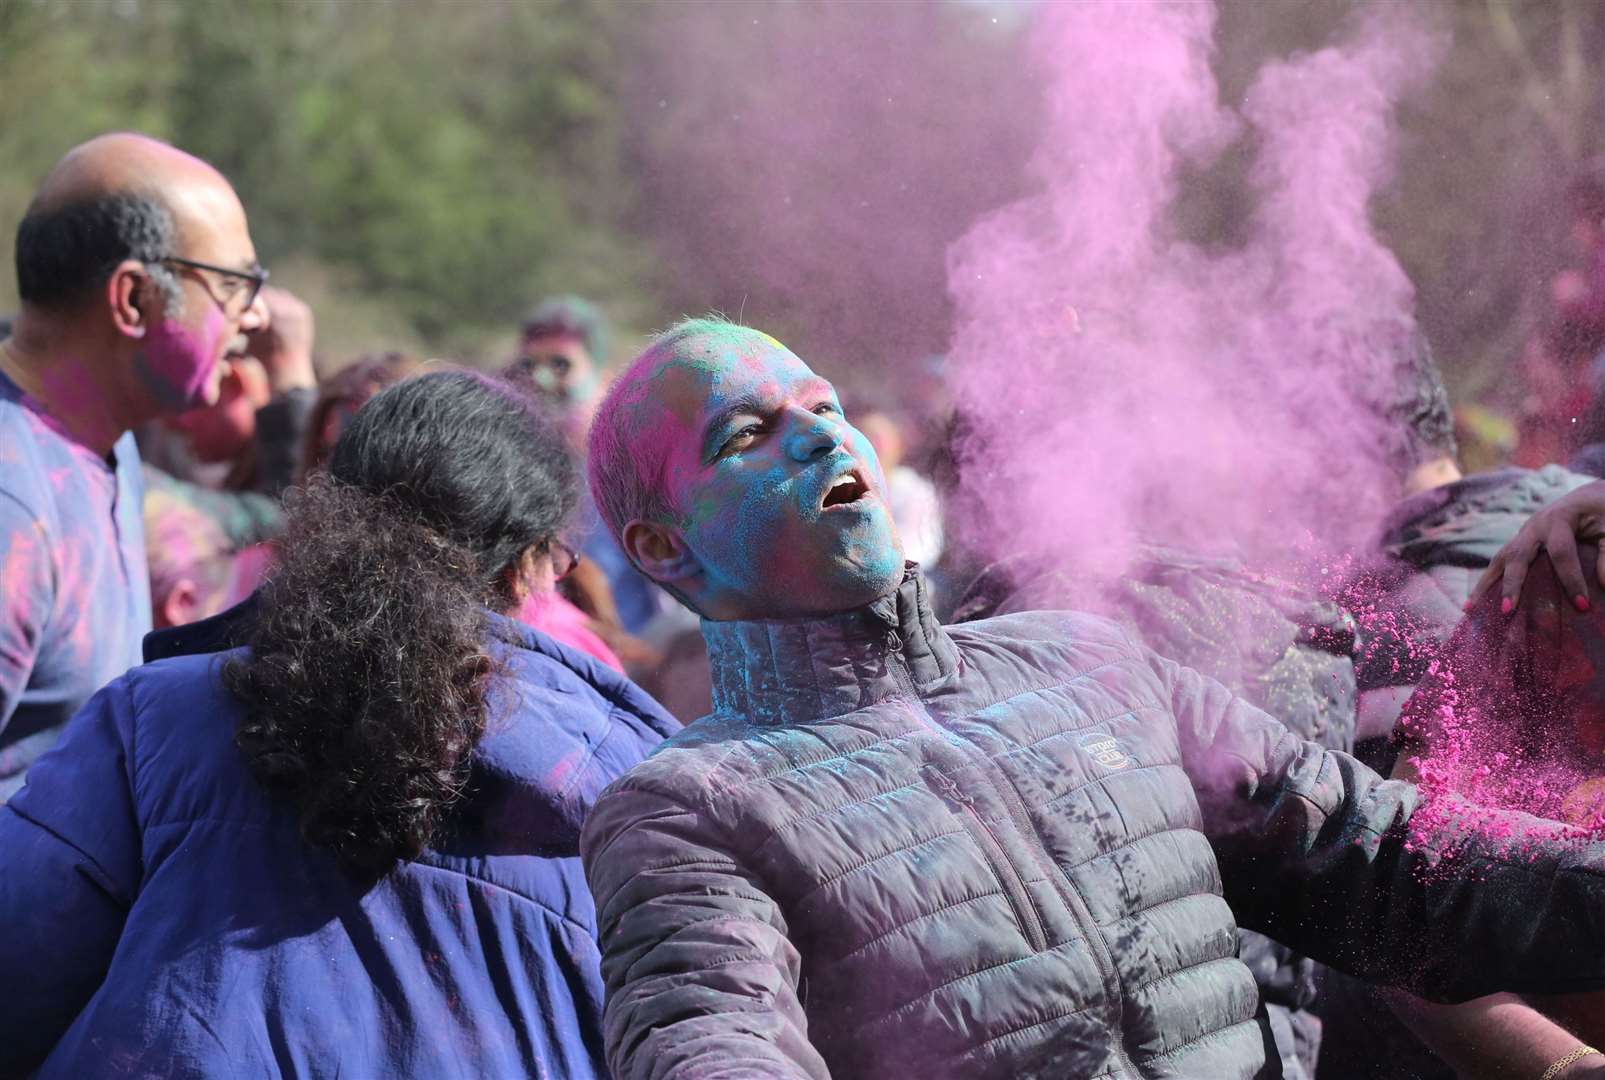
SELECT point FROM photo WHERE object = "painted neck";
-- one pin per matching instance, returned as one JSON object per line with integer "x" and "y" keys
{"x": 71, "y": 377}
{"x": 779, "y": 671}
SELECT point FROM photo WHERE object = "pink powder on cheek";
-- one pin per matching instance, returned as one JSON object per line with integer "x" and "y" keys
{"x": 179, "y": 365}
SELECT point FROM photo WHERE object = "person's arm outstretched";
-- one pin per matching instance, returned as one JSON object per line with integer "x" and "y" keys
{"x": 701, "y": 978}
{"x": 1314, "y": 852}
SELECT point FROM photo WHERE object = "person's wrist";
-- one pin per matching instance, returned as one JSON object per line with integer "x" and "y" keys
{"x": 291, "y": 370}
{"x": 1584, "y": 1061}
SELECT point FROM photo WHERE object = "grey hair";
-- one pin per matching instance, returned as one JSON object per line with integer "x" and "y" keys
{"x": 65, "y": 252}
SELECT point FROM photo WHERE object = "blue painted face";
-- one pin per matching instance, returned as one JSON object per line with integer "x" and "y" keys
{"x": 781, "y": 501}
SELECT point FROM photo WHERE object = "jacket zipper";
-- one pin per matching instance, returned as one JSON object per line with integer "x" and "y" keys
{"x": 1025, "y": 912}
{"x": 1022, "y": 903}
{"x": 1083, "y": 913}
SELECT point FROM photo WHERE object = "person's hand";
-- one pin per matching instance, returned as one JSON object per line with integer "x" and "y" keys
{"x": 284, "y": 345}
{"x": 1579, "y": 515}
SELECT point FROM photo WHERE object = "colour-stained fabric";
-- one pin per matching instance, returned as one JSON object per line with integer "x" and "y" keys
{"x": 1275, "y": 645}
{"x": 552, "y": 614}
{"x": 1015, "y": 848}
{"x": 177, "y": 925}
{"x": 1411, "y": 594}
{"x": 74, "y": 598}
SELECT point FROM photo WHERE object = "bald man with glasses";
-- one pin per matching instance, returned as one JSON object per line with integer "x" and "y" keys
{"x": 137, "y": 274}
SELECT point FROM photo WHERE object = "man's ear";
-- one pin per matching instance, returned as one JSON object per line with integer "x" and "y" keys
{"x": 133, "y": 299}
{"x": 659, "y": 551}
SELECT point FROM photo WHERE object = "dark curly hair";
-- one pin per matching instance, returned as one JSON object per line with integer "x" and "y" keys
{"x": 364, "y": 687}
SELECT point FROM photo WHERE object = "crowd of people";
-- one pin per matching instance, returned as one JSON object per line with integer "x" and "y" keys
{"x": 566, "y": 721}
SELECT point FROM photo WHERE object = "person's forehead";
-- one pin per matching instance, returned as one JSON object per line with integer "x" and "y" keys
{"x": 554, "y": 341}
{"x": 703, "y": 374}
{"x": 211, "y": 223}
{"x": 710, "y": 369}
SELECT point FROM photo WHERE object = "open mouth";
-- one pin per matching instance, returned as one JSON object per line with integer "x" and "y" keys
{"x": 848, "y": 489}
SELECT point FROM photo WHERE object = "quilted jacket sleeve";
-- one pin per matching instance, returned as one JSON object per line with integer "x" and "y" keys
{"x": 69, "y": 843}
{"x": 701, "y": 978}
{"x": 1314, "y": 851}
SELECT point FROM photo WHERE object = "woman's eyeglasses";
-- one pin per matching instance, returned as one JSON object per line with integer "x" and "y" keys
{"x": 564, "y": 558}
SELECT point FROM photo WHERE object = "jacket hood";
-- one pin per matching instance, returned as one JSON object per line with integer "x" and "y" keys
{"x": 793, "y": 670}
{"x": 1466, "y": 523}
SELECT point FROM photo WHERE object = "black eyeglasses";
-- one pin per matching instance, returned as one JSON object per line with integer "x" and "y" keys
{"x": 564, "y": 558}
{"x": 255, "y": 277}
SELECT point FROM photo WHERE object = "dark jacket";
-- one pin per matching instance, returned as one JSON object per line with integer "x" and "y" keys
{"x": 167, "y": 918}
{"x": 1277, "y": 646}
{"x": 1410, "y": 596}
{"x": 1409, "y": 599}
{"x": 1015, "y": 848}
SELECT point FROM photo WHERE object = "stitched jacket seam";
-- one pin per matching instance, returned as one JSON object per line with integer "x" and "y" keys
{"x": 1195, "y": 1040}
{"x": 905, "y": 924}
{"x": 933, "y": 991}
{"x": 849, "y": 871}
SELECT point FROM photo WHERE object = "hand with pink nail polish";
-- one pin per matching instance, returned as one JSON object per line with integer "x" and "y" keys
{"x": 1556, "y": 529}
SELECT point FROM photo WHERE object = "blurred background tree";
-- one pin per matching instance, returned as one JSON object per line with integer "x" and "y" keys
{"x": 424, "y": 169}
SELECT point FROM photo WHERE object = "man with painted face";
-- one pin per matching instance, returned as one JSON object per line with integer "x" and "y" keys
{"x": 1015, "y": 847}
{"x": 136, "y": 273}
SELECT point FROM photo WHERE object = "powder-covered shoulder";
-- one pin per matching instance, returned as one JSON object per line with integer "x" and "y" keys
{"x": 24, "y": 489}
{"x": 1078, "y": 629}
{"x": 703, "y": 757}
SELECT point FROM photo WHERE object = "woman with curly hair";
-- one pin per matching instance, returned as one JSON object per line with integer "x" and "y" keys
{"x": 350, "y": 847}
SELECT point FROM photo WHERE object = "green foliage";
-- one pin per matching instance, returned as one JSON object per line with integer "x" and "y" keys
{"x": 435, "y": 166}
{"x": 450, "y": 162}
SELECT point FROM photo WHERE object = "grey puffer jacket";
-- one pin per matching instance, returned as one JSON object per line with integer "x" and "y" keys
{"x": 1014, "y": 848}
{"x": 1268, "y": 641}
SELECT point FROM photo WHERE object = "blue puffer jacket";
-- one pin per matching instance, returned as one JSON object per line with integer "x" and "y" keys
{"x": 168, "y": 920}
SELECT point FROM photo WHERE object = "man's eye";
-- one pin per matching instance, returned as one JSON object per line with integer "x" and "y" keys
{"x": 740, "y": 438}
{"x": 825, "y": 407}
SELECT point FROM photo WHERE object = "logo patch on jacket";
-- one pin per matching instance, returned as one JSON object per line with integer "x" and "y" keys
{"x": 1105, "y": 750}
